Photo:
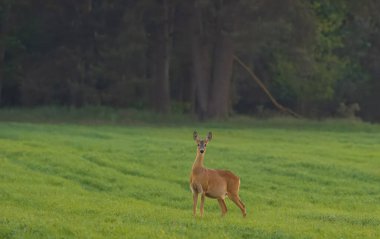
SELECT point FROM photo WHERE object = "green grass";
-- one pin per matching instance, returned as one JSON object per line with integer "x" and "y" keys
{"x": 299, "y": 179}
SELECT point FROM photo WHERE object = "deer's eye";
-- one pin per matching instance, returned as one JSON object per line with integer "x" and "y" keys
{"x": 198, "y": 144}
{"x": 205, "y": 145}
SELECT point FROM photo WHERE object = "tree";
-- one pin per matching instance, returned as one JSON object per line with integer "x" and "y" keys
{"x": 212, "y": 55}
{"x": 178, "y": 56}
{"x": 160, "y": 30}
{"x": 200, "y": 60}
{"x": 5, "y": 8}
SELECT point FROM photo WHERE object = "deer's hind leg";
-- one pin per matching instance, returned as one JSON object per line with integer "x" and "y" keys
{"x": 223, "y": 206}
{"x": 235, "y": 198}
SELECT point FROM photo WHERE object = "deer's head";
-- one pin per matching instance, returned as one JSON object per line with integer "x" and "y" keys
{"x": 202, "y": 143}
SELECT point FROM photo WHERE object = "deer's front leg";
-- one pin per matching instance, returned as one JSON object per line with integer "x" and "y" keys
{"x": 195, "y": 201}
{"x": 202, "y": 203}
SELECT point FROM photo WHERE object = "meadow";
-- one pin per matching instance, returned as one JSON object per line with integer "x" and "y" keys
{"x": 299, "y": 179}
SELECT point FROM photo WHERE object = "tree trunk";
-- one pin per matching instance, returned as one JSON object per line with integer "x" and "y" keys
{"x": 201, "y": 74}
{"x": 201, "y": 67}
{"x": 3, "y": 33}
{"x": 89, "y": 56}
{"x": 219, "y": 103}
{"x": 2, "y": 50}
{"x": 161, "y": 61}
{"x": 212, "y": 55}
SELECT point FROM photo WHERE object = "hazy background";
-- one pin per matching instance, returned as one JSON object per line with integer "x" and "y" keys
{"x": 320, "y": 58}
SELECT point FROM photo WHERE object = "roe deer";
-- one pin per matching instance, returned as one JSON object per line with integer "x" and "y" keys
{"x": 212, "y": 183}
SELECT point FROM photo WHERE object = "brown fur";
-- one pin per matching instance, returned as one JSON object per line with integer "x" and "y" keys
{"x": 213, "y": 183}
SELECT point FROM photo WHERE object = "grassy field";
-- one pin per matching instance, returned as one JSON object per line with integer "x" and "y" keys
{"x": 299, "y": 179}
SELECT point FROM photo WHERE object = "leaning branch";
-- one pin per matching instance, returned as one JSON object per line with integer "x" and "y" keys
{"x": 262, "y": 86}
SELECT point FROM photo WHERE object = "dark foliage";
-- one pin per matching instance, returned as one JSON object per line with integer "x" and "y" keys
{"x": 314, "y": 56}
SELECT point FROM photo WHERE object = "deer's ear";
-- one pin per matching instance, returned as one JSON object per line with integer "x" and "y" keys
{"x": 209, "y": 136}
{"x": 195, "y": 136}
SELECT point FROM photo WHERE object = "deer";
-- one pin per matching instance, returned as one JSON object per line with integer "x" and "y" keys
{"x": 212, "y": 183}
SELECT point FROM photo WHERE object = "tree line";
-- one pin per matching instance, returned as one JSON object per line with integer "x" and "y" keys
{"x": 317, "y": 57}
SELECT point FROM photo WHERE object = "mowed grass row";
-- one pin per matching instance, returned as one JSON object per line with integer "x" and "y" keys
{"x": 316, "y": 180}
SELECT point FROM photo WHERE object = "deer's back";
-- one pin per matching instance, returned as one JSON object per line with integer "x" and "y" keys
{"x": 223, "y": 180}
{"x": 233, "y": 181}
{"x": 215, "y": 181}
{"x": 227, "y": 174}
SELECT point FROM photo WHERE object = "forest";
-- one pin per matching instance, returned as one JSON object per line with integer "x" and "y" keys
{"x": 319, "y": 58}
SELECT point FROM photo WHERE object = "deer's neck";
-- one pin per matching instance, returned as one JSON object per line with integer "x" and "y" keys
{"x": 198, "y": 163}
